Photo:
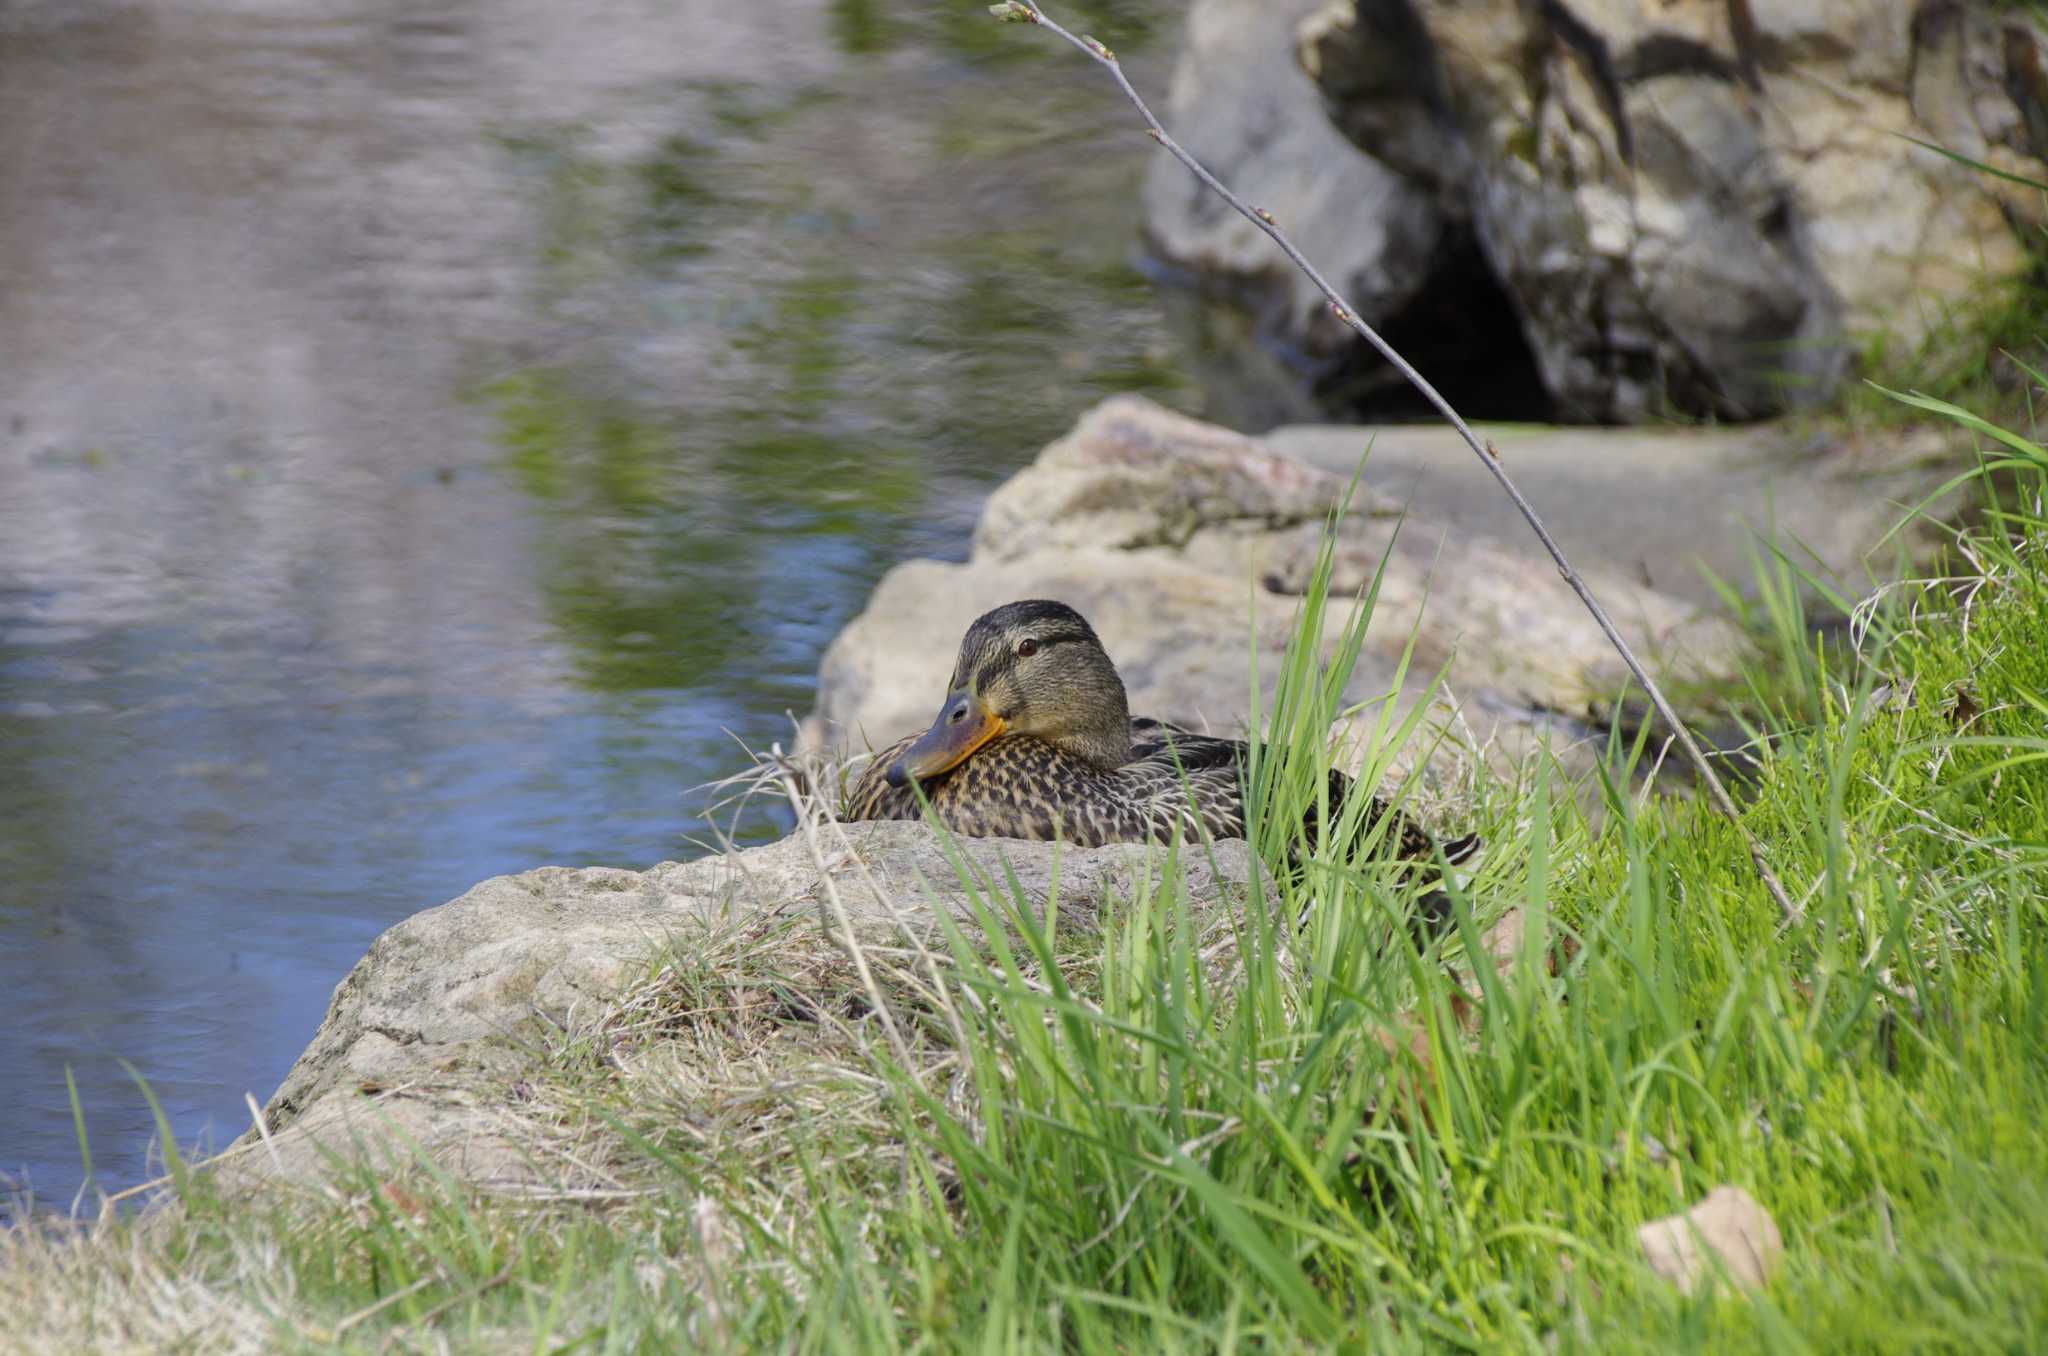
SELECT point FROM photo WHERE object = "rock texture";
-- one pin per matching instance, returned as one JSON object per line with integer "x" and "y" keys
{"x": 1187, "y": 547}
{"x": 424, "y": 1040}
{"x": 1668, "y": 507}
{"x": 1687, "y": 205}
{"x": 1239, "y": 100}
{"x": 1727, "y": 1233}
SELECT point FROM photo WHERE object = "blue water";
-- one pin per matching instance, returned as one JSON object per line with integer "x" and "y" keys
{"x": 431, "y": 444}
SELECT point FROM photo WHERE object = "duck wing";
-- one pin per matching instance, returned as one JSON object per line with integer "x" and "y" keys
{"x": 872, "y": 797}
{"x": 1173, "y": 750}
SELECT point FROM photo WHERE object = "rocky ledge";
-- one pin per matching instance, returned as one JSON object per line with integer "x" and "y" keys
{"x": 1609, "y": 211}
{"x": 426, "y": 1040}
{"x": 1187, "y": 546}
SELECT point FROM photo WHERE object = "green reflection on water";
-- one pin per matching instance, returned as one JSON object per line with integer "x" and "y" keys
{"x": 860, "y": 28}
{"x": 861, "y": 320}
{"x": 678, "y": 198}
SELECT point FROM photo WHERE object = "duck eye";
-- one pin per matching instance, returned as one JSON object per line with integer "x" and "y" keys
{"x": 1026, "y": 648}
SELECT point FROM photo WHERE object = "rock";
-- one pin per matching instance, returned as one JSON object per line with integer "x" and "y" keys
{"x": 1133, "y": 475}
{"x": 1186, "y": 547}
{"x": 1686, "y": 206}
{"x": 425, "y": 1038}
{"x": 1241, "y": 105}
{"x": 1696, "y": 205}
{"x": 1665, "y": 507}
{"x": 1729, "y": 1227}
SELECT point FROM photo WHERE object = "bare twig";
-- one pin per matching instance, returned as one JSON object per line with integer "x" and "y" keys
{"x": 801, "y": 781}
{"x": 1025, "y": 11}
{"x": 838, "y": 923}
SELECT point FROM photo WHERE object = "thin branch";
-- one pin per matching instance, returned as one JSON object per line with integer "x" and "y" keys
{"x": 1024, "y": 11}
{"x": 838, "y": 923}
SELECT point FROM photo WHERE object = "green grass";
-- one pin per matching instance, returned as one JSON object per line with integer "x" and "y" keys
{"x": 1197, "y": 1126}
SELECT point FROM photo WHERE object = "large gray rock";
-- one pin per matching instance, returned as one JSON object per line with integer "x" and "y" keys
{"x": 1698, "y": 206}
{"x": 1243, "y": 106}
{"x": 426, "y": 1039}
{"x": 1188, "y": 548}
{"x": 1694, "y": 207}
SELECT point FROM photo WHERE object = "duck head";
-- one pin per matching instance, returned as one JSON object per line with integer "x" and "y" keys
{"x": 1028, "y": 668}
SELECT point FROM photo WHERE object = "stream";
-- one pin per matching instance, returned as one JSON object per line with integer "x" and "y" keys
{"x": 438, "y": 437}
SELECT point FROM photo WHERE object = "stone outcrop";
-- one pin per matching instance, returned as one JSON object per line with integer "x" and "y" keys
{"x": 1239, "y": 100}
{"x": 1698, "y": 206}
{"x": 426, "y": 1038}
{"x": 1187, "y": 547}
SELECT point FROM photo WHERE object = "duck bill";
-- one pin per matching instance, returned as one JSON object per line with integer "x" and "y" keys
{"x": 965, "y": 723}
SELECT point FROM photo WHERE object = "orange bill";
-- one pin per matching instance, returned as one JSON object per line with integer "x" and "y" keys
{"x": 965, "y": 723}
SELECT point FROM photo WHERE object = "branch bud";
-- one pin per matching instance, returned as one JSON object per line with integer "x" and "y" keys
{"x": 1097, "y": 48}
{"x": 1010, "y": 12}
{"x": 1265, "y": 216}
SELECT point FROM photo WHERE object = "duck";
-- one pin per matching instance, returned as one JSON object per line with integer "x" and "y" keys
{"x": 1035, "y": 740}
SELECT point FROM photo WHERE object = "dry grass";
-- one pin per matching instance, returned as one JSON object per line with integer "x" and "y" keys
{"x": 68, "y": 1289}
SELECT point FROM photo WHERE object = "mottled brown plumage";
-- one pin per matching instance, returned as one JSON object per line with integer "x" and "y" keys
{"x": 1035, "y": 740}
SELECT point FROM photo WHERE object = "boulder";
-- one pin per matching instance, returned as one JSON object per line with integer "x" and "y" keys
{"x": 1681, "y": 206}
{"x": 423, "y": 1047}
{"x": 1243, "y": 106}
{"x": 1188, "y": 548}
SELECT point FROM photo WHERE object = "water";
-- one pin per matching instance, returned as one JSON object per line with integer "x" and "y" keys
{"x": 434, "y": 435}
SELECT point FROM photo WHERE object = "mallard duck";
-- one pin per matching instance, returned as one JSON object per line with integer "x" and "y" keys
{"x": 1036, "y": 740}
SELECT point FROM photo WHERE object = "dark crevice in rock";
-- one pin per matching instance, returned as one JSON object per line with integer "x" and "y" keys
{"x": 1664, "y": 54}
{"x": 1463, "y": 331}
{"x": 1387, "y": 91}
{"x": 1748, "y": 47}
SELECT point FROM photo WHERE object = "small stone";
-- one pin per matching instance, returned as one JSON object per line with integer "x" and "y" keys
{"x": 1730, "y": 1225}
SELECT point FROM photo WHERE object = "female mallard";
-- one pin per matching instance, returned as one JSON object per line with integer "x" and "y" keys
{"x": 1036, "y": 740}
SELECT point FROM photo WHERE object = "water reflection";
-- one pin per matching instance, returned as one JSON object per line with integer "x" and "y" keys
{"x": 427, "y": 442}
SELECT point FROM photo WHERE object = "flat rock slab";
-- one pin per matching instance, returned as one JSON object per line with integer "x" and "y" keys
{"x": 1666, "y": 505}
{"x": 431, "y": 1028}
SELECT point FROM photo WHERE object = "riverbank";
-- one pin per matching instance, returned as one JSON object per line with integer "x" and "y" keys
{"x": 672, "y": 1107}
